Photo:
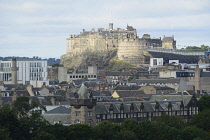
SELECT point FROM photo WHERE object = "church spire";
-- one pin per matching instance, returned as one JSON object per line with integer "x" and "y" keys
{"x": 83, "y": 92}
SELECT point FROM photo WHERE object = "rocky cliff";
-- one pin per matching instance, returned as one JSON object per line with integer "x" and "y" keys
{"x": 99, "y": 58}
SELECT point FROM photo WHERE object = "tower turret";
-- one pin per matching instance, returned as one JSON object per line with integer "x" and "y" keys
{"x": 83, "y": 107}
{"x": 14, "y": 71}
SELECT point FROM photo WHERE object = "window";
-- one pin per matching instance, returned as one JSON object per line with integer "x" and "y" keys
{"x": 77, "y": 113}
{"x": 76, "y": 121}
{"x": 90, "y": 113}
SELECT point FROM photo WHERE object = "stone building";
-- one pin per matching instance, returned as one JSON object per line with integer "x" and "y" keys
{"x": 169, "y": 42}
{"x": 131, "y": 48}
{"x": 83, "y": 107}
{"x": 86, "y": 110}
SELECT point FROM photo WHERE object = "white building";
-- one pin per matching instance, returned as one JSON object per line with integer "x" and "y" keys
{"x": 64, "y": 75}
{"x": 35, "y": 70}
{"x": 156, "y": 62}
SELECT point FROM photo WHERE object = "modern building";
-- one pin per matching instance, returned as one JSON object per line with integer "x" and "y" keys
{"x": 28, "y": 70}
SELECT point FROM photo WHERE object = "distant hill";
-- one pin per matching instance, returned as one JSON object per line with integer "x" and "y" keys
{"x": 50, "y": 61}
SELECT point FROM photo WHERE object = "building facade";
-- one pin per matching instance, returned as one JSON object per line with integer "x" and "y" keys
{"x": 130, "y": 47}
{"x": 35, "y": 70}
{"x": 86, "y": 110}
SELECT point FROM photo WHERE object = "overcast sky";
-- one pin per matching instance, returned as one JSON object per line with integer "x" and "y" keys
{"x": 40, "y": 27}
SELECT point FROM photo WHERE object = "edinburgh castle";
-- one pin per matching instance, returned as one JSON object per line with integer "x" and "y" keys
{"x": 96, "y": 47}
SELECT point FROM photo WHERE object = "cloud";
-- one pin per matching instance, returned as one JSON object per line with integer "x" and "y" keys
{"x": 46, "y": 24}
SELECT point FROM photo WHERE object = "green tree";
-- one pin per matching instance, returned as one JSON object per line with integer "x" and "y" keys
{"x": 10, "y": 122}
{"x": 106, "y": 130}
{"x": 57, "y": 65}
{"x": 81, "y": 132}
{"x": 204, "y": 102}
{"x": 165, "y": 132}
{"x": 125, "y": 135}
{"x": 192, "y": 133}
{"x": 23, "y": 105}
{"x": 4, "y": 134}
{"x": 204, "y": 47}
{"x": 202, "y": 120}
{"x": 172, "y": 121}
{"x": 64, "y": 82}
{"x": 145, "y": 130}
{"x": 44, "y": 136}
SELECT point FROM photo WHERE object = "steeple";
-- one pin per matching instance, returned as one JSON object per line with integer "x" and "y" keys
{"x": 83, "y": 92}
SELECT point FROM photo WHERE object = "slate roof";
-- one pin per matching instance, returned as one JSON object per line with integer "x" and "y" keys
{"x": 62, "y": 118}
{"x": 6, "y": 100}
{"x": 127, "y": 87}
{"x": 163, "y": 88}
{"x": 22, "y": 93}
{"x": 79, "y": 82}
{"x": 118, "y": 73}
{"x": 139, "y": 93}
{"x": 59, "y": 110}
{"x": 167, "y": 80}
{"x": 185, "y": 98}
{"x": 205, "y": 74}
{"x": 103, "y": 107}
{"x": 10, "y": 86}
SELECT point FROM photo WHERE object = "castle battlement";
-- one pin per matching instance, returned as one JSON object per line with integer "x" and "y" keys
{"x": 125, "y": 40}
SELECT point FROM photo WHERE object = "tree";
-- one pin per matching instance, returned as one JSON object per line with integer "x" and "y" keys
{"x": 129, "y": 125}
{"x": 125, "y": 135}
{"x": 23, "y": 105}
{"x": 145, "y": 130}
{"x": 204, "y": 102}
{"x": 57, "y": 65}
{"x": 80, "y": 132}
{"x": 9, "y": 121}
{"x": 172, "y": 121}
{"x": 106, "y": 130}
{"x": 165, "y": 132}
{"x": 4, "y": 134}
{"x": 44, "y": 136}
{"x": 64, "y": 82}
{"x": 192, "y": 133}
{"x": 202, "y": 120}
{"x": 204, "y": 47}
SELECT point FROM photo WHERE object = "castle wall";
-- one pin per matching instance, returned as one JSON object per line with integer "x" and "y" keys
{"x": 132, "y": 50}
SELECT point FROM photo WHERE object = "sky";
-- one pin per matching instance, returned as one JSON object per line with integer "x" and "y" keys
{"x": 40, "y": 27}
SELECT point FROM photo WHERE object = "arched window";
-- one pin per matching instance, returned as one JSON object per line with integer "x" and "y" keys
{"x": 77, "y": 122}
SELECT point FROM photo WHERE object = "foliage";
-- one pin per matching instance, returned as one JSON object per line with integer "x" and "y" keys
{"x": 4, "y": 134}
{"x": 44, "y": 136}
{"x": 204, "y": 102}
{"x": 57, "y": 65}
{"x": 195, "y": 48}
{"x": 172, "y": 121}
{"x": 23, "y": 105}
{"x": 106, "y": 130}
{"x": 64, "y": 82}
{"x": 133, "y": 77}
{"x": 34, "y": 127}
{"x": 119, "y": 65}
{"x": 192, "y": 132}
{"x": 202, "y": 120}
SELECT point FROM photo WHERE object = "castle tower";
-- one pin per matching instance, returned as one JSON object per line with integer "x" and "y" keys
{"x": 110, "y": 26}
{"x": 14, "y": 71}
{"x": 83, "y": 107}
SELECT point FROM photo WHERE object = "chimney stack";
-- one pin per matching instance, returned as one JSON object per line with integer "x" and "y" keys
{"x": 110, "y": 26}
{"x": 14, "y": 71}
